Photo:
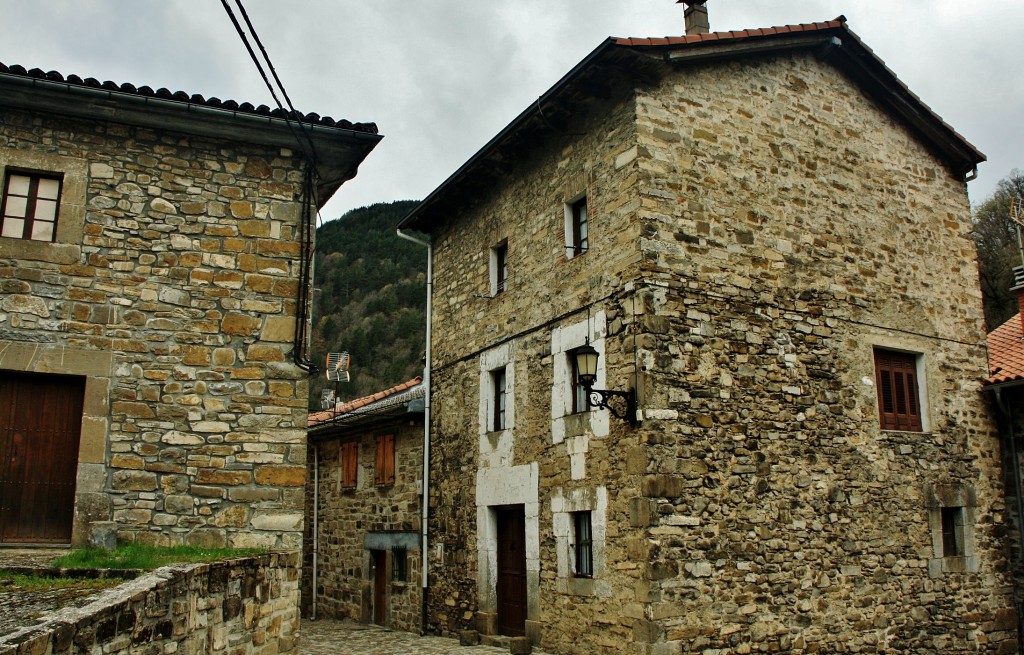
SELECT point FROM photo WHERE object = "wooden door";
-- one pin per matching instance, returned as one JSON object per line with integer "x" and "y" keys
{"x": 511, "y": 584}
{"x": 379, "y": 561}
{"x": 40, "y": 426}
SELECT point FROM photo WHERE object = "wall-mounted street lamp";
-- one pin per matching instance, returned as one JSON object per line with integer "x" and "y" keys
{"x": 586, "y": 370}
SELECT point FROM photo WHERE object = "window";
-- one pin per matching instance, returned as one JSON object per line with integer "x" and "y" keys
{"x": 30, "y": 206}
{"x": 899, "y": 406}
{"x": 577, "y": 228}
{"x": 953, "y": 532}
{"x": 498, "y": 404}
{"x": 349, "y": 464}
{"x": 384, "y": 470}
{"x": 499, "y": 268}
{"x": 578, "y": 391}
{"x": 399, "y": 565}
{"x": 583, "y": 549}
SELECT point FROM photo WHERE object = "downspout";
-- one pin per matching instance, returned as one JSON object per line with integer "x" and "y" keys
{"x": 425, "y": 502}
{"x": 316, "y": 520}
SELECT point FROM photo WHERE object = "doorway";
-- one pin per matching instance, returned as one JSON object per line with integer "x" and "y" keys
{"x": 379, "y": 562}
{"x": 40, "y": 427}
{"x": 511, "y": 582}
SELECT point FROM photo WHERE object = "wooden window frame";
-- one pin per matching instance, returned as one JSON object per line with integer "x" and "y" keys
{"x": 500, "y": 257}
{"x": 499, "y": 399}
{"x": 898, "y": 390}
{"x": 399, "y": 565}
{"x": 579, "y": 216}
{"x": 576, "y": 390}
{"x": 31, "y": 202}
{"x": 384, "y": 468}
{"x": 349, "y": 464}
{"x": 583, "y": 546}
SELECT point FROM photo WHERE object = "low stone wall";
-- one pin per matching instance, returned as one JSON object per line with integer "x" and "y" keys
{"x": 247, "y": 605}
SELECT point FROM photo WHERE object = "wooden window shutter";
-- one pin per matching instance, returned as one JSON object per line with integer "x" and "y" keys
{"x": 898, "y": 400}
{"x": 384, "y": 469}
{"x": 349, "y": 463}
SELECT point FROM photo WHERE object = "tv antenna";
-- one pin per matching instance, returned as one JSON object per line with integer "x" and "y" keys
{"x": 337, "y": 367}
{"x": 337, "y": 371}
{"x": 1017, "y": 216}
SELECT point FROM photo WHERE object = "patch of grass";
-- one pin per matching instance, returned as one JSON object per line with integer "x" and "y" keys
{"x": 17, "y": 581}
{"x": 135, "y": 556}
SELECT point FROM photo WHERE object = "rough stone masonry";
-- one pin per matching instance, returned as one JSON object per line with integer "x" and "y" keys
{"x": 171, "y": 288}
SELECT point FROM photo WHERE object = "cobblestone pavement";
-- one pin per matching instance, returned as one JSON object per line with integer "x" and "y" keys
{"x": 326, "y": 637}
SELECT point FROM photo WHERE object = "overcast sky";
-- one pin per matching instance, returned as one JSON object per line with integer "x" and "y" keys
{"x": 441, "y": 77}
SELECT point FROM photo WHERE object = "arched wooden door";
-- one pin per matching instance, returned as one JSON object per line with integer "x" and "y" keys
{"x": 40, "y": 427}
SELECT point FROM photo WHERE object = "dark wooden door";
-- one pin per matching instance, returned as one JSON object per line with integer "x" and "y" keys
{"x": 511, "y": 585}
{"x": 380, "y": 585}
{"x": 40, "y": 426}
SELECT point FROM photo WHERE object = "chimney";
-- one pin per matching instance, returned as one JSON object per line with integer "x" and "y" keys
{"x": 696, "y": 17}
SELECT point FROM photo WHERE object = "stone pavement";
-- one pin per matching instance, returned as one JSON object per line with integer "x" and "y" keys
{"x": 327, "y": 637}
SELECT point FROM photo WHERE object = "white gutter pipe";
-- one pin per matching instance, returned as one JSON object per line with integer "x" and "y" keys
{"x": 425, "y": 502}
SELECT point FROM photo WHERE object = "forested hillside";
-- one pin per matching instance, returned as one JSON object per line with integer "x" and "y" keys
{"x": 371, "y": 300}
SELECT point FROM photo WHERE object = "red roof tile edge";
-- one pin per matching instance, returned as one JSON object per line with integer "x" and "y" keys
{"x": 339, "y": 410}
{"x": 183, "y": 97}
{"x": 1006, "y": 352}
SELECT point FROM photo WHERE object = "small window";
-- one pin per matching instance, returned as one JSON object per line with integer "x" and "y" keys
{"x": 584, "y": 547}
{"x": 953, "y": 532}
{"x": 498, "y": 402}
{"x": 384, "y": 470}
{"x": 30, "y": 206}
{"x": 899, "y": 405}
{"x": 349, "y": 464}
{"x": 577, "y": 228}
{"x": 499, "y": 268}
{"x": 578, "y": 391}
{"x": 399, "y": 565}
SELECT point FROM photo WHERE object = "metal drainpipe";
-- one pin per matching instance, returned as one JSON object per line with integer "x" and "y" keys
{"x": 426, "y": 429}
{"x": 316, "y": 521}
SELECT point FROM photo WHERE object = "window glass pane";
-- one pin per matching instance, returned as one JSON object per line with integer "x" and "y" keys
{"x": 18, "y": 184}
{"x": 48, "y": 188}
{"x": 46, "y": 210}
{"x": 13, "y": 227}
{"x": 42, "y": 231}
{"x": 16, "y": 206}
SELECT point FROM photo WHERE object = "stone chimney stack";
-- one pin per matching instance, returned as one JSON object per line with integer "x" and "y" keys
{"x": 696, "y": 17}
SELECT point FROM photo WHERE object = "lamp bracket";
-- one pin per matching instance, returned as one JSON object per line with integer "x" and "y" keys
{"x": 598, "y": 399}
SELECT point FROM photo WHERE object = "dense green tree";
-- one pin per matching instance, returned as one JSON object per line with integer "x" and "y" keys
{"x": 370, "y": 300}
{"x": 996, "y": 237}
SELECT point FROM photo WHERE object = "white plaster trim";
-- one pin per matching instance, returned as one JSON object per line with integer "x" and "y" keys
{"x": 496, "y": 447}
{"x": 514, "y": 485}
{"x": 563, "y": 503}
{"x": 564, "y": 339}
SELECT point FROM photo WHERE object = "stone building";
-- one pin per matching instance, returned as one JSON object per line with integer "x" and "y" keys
{"x": 154, "y": 271}
{"x": 765, "y": 234}
{"x": 1005, "y": 388}
{"x": 363, "y": 509}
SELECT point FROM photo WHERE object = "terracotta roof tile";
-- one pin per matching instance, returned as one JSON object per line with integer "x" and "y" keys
{"x": 181, "y": 96}
{"x": 1006, "y": 352}
{"x": 341, "y": 409}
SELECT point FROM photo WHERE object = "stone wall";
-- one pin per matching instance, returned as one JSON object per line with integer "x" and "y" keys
{"x": 245, "y": 605}
{"x": 757, "y": 229}
{"x": 354, "y": 522}
{"x": 171, "y": 288}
